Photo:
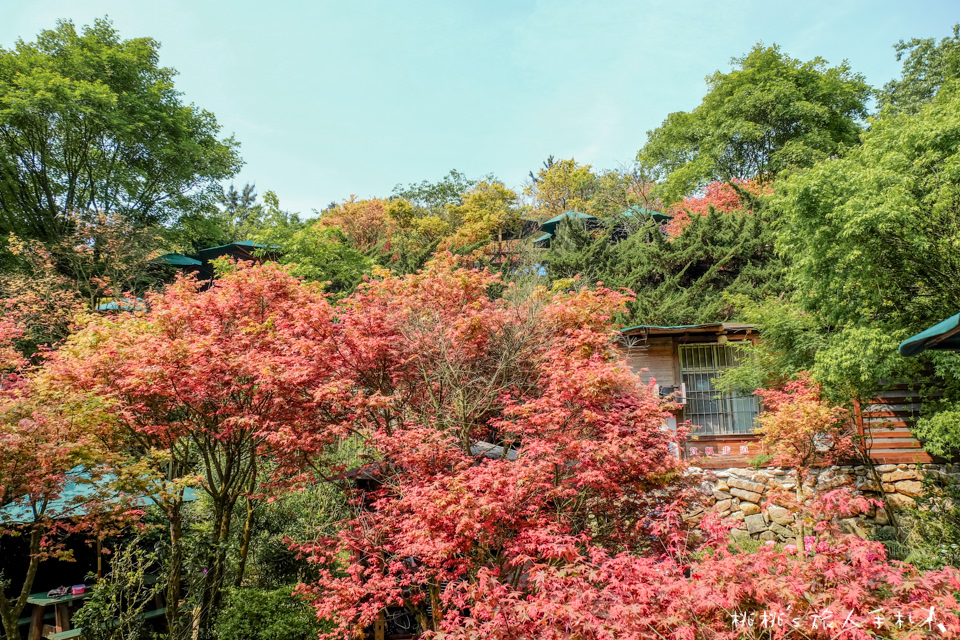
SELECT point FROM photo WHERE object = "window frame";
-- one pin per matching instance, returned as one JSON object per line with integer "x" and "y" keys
{"x": 717, "y": 414}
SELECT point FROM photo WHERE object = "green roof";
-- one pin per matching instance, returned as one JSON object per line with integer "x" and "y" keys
{"x": 247, "y": 244}
{"x": 943, "y": 336}
{"x": 550, "y": 226}
{"x": 545, "y": 236}
{"x": 699, "y": 328}
{"x": 177, "y": 260}
{"x": 79, "y": 490}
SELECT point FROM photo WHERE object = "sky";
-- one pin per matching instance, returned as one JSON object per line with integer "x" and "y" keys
{"x": 330, "y": 99}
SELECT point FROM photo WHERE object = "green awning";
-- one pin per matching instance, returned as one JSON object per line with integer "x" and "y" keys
{"x": 550, "y": 226}
{"x": 943, "y": 336}
{"x": 177, "y": 260}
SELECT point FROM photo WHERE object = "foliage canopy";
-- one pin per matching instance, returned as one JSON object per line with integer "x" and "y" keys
{"x": 769, "y": 113}
{"x": 90, "y": 123}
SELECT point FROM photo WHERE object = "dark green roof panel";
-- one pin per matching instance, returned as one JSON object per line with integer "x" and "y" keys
{"x": 943, "y": 336}
{"x": 550, "y": 226}
{"x": 178, "y": 260}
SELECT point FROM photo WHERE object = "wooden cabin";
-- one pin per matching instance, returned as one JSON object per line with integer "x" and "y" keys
{"x": 683, "y": 361}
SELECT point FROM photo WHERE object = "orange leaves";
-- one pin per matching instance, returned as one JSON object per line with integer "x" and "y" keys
{"x": 800, "y": 429}
{"x": 367, "y": 224}
{"x": 720, "y": 196}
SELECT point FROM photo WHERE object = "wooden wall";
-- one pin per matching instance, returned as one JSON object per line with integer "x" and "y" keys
{"x": 885, "y": 421}
{"x": 655, "y": 359}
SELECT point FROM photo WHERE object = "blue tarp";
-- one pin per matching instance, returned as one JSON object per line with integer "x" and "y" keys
{"x": 125, "y": 304}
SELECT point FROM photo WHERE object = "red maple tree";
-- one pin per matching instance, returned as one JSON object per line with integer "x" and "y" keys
{"x": 508, "y": 436}
{"x": 525, "y": 488}
{"x": 720, "y": 196}
{"x": 50, "y": 440}
{"x": 218, "y": 380}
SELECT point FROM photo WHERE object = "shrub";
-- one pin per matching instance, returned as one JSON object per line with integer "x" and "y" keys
{"x": 255, "y": 614}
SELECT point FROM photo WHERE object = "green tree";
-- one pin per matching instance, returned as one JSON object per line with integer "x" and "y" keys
{"x": 433, "y": 197}
{"x": 241, "y": 214}
{"x": 90, "y": 123}
{"x": 872, "y": 241}
{"x": 927, "y": 65}
{"x": 561, "y": 185}
{"x": 684, "y": 280}
{"x": 320, "y": 252}
{"x": 769, "y": 113}
{"x": 489, "y": 211}
{"x": 566, "y": 185}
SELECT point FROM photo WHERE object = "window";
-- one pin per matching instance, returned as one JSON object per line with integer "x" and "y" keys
{"x": 716, "y": 413}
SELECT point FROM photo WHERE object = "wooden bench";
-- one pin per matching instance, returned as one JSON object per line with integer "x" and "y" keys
{"x": 47, "y": 617}
{"x": 72, "y": 634}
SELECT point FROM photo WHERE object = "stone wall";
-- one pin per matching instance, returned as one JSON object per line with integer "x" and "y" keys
{"x": 743, "y": 494}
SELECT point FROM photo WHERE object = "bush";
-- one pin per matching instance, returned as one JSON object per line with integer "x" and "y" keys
{"x": 931, "y": 530}
{"x": 255, "y": 614}
{"x": 113, "y": 611}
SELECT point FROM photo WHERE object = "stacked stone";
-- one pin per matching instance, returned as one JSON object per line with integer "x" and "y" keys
{"x": 760, "y": 499}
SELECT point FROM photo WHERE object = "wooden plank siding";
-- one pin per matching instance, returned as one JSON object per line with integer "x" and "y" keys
{"x": 885, "y": 421}
{"x": 655, "y": 360}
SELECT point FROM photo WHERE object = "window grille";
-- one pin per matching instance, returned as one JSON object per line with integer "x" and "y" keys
{"x": 716, "y": 413}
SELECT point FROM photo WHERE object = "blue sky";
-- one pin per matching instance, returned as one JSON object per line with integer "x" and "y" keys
{"x": 330, "y": 99}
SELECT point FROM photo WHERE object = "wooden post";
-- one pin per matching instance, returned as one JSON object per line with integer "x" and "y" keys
{"x": 36, "y": 623}
{"x": 858, "y": 415}
{"x": 380, "y": 627}
{"x": 61, "y": 617}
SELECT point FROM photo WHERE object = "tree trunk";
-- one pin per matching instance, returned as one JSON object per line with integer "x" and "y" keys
{"x": 213, "y": 584}
{"x": 800, "y": 532}
{"x": 435, "y": 606}
{"x": 245, "y": 543}
{"x": 10, "y": 611}
{"x": 11, "y": 626}
{"x": 176, "y": 567}
{"x": 248, "y": 522}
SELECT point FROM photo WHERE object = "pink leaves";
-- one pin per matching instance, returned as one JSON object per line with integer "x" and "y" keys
{"x": 514, "y": 476}
{"x": 435, "y": 365}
